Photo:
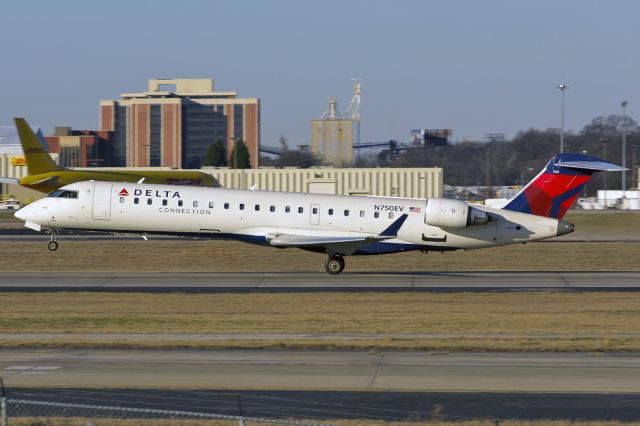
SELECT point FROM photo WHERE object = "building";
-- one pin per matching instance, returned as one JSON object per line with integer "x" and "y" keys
{"x": 13, "y": 164}
{"x": 174, "y": 122}
{"x": 81, "y": 148}
{"x": 385, "y": 182}
{"x": 332, "y": 136}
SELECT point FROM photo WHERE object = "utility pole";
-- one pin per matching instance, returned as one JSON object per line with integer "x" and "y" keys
{"x": 634, "y": 168}
{"x": 488, "y": 169}
{"x": 624, "y": 146}
{"x": 563, "y": 87}
{"x": 604, "y": 157}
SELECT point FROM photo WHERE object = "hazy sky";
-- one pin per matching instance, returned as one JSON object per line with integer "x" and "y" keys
{"x": 474, "y": 66}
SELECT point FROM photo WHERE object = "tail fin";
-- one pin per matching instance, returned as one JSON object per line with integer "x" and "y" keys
{"x": 38, "y": 159}
{"x": 556, "y": 187}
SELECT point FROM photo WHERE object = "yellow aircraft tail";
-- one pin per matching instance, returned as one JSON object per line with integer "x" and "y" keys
{"x": 38, "y": 159}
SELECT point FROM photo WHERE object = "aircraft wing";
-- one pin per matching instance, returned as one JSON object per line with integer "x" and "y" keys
{"x": 337, "y": 244}
{"x": 9, "y": 180}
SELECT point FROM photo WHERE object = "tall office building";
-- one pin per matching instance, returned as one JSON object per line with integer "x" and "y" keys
{"x": 175, "y": 121}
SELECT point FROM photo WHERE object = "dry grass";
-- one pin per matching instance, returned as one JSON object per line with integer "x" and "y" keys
{"x": 227, "y": 256}
{"x": 504, "y": 321}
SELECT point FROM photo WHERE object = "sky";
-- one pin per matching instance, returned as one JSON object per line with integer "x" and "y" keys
{"x": 476, "y": 67}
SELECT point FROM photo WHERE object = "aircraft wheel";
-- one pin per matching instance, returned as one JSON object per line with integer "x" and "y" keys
{"x": 334, "y": 265}
{"x": 53, "y": 246}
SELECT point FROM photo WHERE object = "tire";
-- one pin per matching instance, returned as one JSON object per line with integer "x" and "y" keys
{"x": 52, "y": 246}
{"x": 334, "y": 265}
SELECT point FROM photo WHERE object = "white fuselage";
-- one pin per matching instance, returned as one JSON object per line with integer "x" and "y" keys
{"x": 255, "y": 216}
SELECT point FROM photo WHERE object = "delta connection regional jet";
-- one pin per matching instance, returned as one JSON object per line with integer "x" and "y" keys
{"x": 332, "y": 224}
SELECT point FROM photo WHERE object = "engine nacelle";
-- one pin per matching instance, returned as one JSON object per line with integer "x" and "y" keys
{"x": 445, "y": 213}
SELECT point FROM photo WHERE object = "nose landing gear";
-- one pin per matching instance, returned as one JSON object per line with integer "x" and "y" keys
{"x": 53, "y": 244}
{"x": 334, "y": 264}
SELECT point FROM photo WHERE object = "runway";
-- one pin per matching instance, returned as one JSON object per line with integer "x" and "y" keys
{"x": 323, "y": 370}
{"x": 213, "y": 282}
{"x": 391, "y": 385}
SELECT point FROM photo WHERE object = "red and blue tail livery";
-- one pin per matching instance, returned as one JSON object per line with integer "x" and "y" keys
{"x": 556, "y": 187}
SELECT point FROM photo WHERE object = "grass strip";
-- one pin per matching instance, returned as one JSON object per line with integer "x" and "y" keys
{"x": 503, "y": 321}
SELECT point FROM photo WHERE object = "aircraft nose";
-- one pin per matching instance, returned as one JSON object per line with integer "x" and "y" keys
{"x": 22, "y": 214}
{"x": 564, "y": 228}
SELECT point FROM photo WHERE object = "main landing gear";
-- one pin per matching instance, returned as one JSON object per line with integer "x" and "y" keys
{"x": 53, "y": 244}
{"x": 334, "y": 264}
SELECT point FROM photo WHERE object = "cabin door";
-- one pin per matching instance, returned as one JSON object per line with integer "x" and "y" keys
{"x": 314, "y": 219}
{"x": 102, "y": 200}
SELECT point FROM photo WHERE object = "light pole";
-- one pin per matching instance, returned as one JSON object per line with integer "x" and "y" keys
{"x": 563, "y": 87}
{"x": 624, "y": 146}
{"x": 634, "y": 169}
{"x": 604, "y": 157}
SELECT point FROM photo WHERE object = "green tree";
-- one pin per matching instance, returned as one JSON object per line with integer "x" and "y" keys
{"x": 215, "y": 155}
{"x": 240, "y": 156}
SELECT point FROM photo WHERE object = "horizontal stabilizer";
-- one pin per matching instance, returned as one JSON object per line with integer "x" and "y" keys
{"x": 601, "y": 166}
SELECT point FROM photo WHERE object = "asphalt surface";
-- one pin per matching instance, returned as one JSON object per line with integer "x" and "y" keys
{"x": 388, "y": 385}
{"x": 214, "y": 282}
{"x": 389, "y": 406}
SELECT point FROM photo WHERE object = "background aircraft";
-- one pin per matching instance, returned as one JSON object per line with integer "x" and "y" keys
{"x": 46, "y": 176}
{"x": 333, "y": 224}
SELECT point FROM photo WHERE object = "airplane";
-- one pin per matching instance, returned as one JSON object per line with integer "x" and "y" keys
{"x": 46, "y": 176}
{"x": 335, "y": 225}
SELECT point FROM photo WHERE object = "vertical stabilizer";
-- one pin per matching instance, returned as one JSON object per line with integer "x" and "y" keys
{"x": 38, "y": 159}
{"x": 556, "y": 187}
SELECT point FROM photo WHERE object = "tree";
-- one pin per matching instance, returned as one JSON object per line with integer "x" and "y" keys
{"x": 302, "y": 158}
{"x": 215, "y": 155}
{"x": 240, "y": 156}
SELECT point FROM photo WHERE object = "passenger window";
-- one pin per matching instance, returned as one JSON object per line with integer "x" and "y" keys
{"x": 179, "y": 203}
{"x": 272, "y": 209}
{"x": 149, "y": 201}
{"x": 390, "y": 215}
{"x": 300, "y": 209}
{"x": 241, "y": 206}
{"x": 314, "y": 210}
{"x": 164, "y": 202}
{"x": 210, "y": 204}
{"x": 195, "y": 204}
{"x": 330, "y": 212}
{"x": 287, "y": 209}
{"x": 346, "y": 212}
{"x": 376, "y": 214}
{"x": 121, "y": 200}
{"x": 257, "y": 207}
{"x": 361, "y": 213}
{"x": 226, "y": 205}
{"x": 136, "y": 200}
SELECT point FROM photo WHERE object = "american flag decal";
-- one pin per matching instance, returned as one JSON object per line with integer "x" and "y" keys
{"x": 415, "y": 210}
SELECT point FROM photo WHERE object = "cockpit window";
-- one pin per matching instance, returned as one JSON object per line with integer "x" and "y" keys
{"x": 63, "y": 193}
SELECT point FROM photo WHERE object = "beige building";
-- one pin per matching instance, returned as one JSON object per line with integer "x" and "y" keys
{"x": 174, "y": 122}
{"x": 386, "y": 182}
{"x": 332, "y": 136}
{"x": 333, "y": 140}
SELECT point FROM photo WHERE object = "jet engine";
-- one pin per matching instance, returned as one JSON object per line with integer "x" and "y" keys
{"x": 445, "y": 213}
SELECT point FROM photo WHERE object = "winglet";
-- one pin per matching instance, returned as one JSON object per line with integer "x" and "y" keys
{"x": 392, "y": 230}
